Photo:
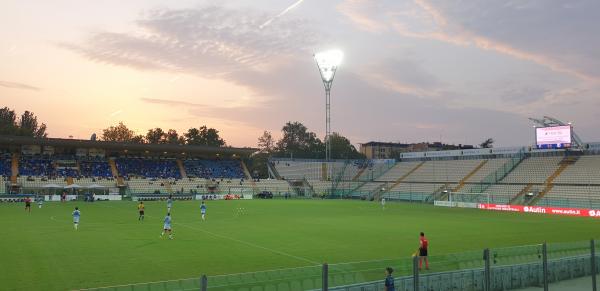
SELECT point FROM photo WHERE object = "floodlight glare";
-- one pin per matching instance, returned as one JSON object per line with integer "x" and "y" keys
{"x": 328, "y": 61}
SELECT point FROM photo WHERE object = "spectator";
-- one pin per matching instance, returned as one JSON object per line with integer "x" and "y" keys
{"x": 389, "y": 280}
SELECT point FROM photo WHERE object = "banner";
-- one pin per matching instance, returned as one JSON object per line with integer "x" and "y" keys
{"x": 542, "y": 209}
{"x": 455, "y": 204}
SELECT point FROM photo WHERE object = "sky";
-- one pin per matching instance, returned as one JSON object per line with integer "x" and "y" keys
{"x": 414, "y": 70}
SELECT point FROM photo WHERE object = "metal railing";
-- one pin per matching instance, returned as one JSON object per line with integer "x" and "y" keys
{"x": 538, "y": 265}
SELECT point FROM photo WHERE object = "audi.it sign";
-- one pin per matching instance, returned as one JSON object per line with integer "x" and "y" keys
{"x": 542, "y": 209}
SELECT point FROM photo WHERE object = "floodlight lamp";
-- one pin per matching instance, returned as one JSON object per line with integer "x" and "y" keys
{"x": 328, "y": 61}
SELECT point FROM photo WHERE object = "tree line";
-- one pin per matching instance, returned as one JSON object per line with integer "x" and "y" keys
{"x": 194, "y": 136}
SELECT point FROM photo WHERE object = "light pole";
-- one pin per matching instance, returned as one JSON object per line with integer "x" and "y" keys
{"x": 328, "y": 62}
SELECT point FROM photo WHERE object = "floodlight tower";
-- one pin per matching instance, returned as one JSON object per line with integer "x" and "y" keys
{"x": 328, "y": 62}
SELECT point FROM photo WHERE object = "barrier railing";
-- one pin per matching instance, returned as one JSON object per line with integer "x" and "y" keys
{"x": 539, "y": 265}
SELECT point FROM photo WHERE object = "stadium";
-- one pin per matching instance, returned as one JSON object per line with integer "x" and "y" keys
{"x": 140, "y": 168}
{"x": 278, "y": 233}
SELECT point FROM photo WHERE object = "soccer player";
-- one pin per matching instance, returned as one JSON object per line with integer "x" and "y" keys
{"x": 383, "y": 203}
{"x": 203, "y": 210}
{"x": 167, "y": 226}
{"x": 141, "y": 210}
{"x": 28, "y": 204}
{"x": 389, "y": 280}
{"x": 40, "y": 202}
{"x": 76, "y": 215}
{"x": 423, "y": 245}
{"x": 169, "y": 203}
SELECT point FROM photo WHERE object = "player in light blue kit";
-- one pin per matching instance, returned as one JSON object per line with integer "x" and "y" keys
{"x": 167, "y": 226}
{"x": 169, "y": 203}
{"x": 76, "y": 215}
{"x": 203, "y": 210}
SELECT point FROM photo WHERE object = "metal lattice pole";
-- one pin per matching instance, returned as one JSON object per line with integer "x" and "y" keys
{"x": 593, "y": 261}
{"x": 327, "y": 121}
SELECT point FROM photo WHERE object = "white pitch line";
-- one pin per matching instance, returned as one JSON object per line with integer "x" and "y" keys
{"x": 252, "y": 245}
{"x": 242, "y": 242}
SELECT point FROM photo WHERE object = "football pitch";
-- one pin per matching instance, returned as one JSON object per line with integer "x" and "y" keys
{"x": 41, "y": 250}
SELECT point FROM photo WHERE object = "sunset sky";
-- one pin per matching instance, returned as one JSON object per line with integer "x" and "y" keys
{"x": 414, "y": 70}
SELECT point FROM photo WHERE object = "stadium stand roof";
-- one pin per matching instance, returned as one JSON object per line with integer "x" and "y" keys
{"x": 122, "y": 146}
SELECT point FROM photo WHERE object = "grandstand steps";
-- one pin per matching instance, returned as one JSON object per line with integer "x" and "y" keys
{"x": 340, "y": 176}
{"x": 120, "y": 182}
{"x": 181, "y": 168}
{"x": 324, "y": 174}
{"x": 439, "y": 194}
{"x": 70, "y": 181}
{"x": 462, "y": 182}
{"x": 549, "y": 184}
{"x": 397, "y": 182}
{"x": 15, "y": 165}
{"x": 310, "y": 187}
{"x": 273, "y": 171}
{"x": 113, "y": 168}
{"x": 379, "y": 191}
{"x": 360, "y": 172}
{"x": 518, "y": 199}
{"x": 246, "y": 171}
{"x": 168, "y": 186}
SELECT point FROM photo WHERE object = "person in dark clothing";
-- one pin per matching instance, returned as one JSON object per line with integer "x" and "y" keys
{"x": 389, "y": 280}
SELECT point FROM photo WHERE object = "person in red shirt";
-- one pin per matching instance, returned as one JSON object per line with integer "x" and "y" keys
{"x": 423, "y": 245}
{"x": 28, "y": 204}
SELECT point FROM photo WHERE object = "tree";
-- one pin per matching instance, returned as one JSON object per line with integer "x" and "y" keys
{"x": 488, "y": 143}
{"x": 342, "y": 148}
{"x": 27, "y": 125}
{"x": 192, "y": 136}
{"x": 266, "y": 144}
{"x": 155, "y": 136}
{"x": 172, "y": 137}
{"x": 119, "y": 133}
{"x": 138, "y": 139}
{"x": 204, "y": 136}
{"x": 8, "y": 121}
{"x": 212, "y": 138}
{"x": 298, "y": 142}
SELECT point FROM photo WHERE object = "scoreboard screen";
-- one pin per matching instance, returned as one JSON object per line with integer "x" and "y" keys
{"x": 554, "y": 137}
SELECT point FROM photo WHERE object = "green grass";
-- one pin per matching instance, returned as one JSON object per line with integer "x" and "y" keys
{"x": 41, "y": 251}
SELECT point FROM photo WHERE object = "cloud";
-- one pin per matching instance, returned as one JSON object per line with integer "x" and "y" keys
{"x": 404, "y": 76}
{"x": 423, "y": 20}
{"x": 359, "y": 11}
{"x": 210, "y": 41}
{"x": 15, "y": 85}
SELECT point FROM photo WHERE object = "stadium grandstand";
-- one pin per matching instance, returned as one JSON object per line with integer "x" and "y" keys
{"x": 516, "y": 175}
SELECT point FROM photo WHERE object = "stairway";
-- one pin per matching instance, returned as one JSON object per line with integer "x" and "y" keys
{"x": 168, "y": 186}
{"x": 324, "y": 174}
{"x": 15, "y": 165}
{"x": 360, "y": 172}
{"x": 249, "y": 178}
{"x": 399, "y": 180}
{"x": 181, "y": 168}
{"x": 70, "y": 181}
{"x": 113, "y": 167}
{"x": 246, "y": 171}
{"x": 519, "y": 196}
{"x": 462, "y": 182}
{"x": 549, "y": 184}
{"x": 273, "y": 171}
